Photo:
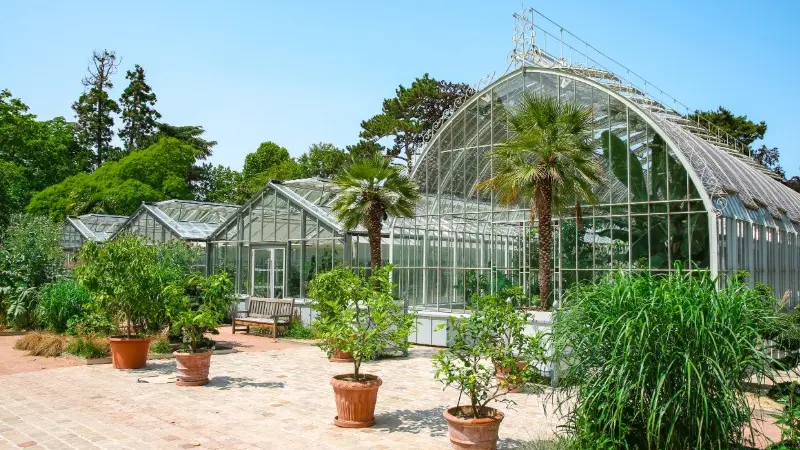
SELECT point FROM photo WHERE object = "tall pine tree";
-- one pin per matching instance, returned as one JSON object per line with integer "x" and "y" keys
{"x": 94, "y": 126}
{"x": 138, "y": 113}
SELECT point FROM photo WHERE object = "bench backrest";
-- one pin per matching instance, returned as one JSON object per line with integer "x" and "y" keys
{"x": 268, "y": 307}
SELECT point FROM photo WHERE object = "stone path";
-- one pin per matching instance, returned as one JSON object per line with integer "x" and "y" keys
{"x": 278, "y": 399}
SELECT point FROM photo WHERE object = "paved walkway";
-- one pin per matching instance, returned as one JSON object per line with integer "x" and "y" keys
{"x": 277, "y": 399}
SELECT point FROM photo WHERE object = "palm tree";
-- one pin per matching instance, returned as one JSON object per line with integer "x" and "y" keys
{"x": 373, "y": 189}
{"x": 550, "y": 164}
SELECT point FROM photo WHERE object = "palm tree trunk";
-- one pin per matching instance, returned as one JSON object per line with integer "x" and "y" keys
{"x": 374, "y": 225}
{"x": 544, "y": 204}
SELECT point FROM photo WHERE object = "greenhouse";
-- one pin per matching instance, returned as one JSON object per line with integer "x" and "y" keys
{"x": 77, "y": 231}
{"x": 171, "y": 220}
{"x": 674, "y": 192}
{"x": 283, "y": 237}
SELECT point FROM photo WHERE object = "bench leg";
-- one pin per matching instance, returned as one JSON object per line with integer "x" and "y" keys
{"x": 275, "y": 330}
{"x": 248, "y": 329}
{"x": 233, "y": 327}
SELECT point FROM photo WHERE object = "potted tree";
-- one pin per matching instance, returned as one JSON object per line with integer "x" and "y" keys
{"x": 197, "y": 306}
{"x": 371, "y": 322}
{"x": 329, "y": 292}
{"x": 122, "y": 274}
{"x": 470, "y": 365}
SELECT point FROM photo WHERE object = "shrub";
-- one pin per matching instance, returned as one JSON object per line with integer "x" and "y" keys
{"x": 371, "y": 322}
{"x": 299, "y": 331}
{"x": 789, "y": 420}
{"x": 42, "y": 344}
{"x": 59, "y": 302}
{"x": 492, "y": 337}
{"x": 89, "y": 347}
{"x": 160, "y": 344}
{"x": 197, "y": 306}
{"x": 660, "y": 361}
{"x": 123, "y": 276}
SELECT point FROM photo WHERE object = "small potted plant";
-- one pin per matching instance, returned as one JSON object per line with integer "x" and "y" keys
{"x": 470, "y": 365}
{"x": 371, "y": 322}
{"x": 122, "y": 274}
{"x": 196, "y": 307}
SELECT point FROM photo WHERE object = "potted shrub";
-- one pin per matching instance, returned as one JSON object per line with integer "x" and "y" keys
{"x": 122, "y": 274}
{"x": 330, "y": 298}
{"x": 371, "y": 322}
{"x": 470, "y": 365}
{"x": 196, "y": 307}
{"x": 514, "y": 348}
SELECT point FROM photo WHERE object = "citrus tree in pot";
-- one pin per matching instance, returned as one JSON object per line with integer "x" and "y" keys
{"x": 330, "y": 294}
{"x": 122, "y": 275}
{"x": 371, "y": 322}
{"x": 470, "y": 366}
{"x": 195, "y": 307}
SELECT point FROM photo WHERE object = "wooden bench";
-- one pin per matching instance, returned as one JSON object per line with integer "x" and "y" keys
{"x": 264, "y": 311}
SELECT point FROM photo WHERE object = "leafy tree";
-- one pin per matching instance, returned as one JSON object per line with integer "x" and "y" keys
{"x": 372, "y": 190}
{"x": 323, "y": 160}
{"x": 411, "y": 113}
{"x": 218, "y": 184}
{"x": 267, "y": 155}
{"x": 549, "y": 164}
{"x": 94, "y": 109}
{"x": 365, "y": 149}
{"x": 33, "y": 154}
{"x": 745, "y": 131}
{"x": 156, "y": 173}
{"x": 138, "y": 115}
{"x": 286, "y": 170}
{"x": 188, "y": 134}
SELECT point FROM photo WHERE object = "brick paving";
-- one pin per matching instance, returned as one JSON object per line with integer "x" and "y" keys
{"x": 279, "y": 399}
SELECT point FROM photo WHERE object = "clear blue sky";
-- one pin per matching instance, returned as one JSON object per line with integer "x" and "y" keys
{"x": 299, "y": 72}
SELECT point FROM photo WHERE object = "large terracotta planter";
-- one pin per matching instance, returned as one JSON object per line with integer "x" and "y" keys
{"x": 129, "y": 353}
{"x": 503, "y": 372}
{"x": 473, "y": 434}
{"x": 192, "y": 368}
{"x": 355, "y": 401}
{"x": 340, "y": 356}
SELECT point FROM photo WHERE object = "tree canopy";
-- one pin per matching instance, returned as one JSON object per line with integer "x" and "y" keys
{"x": 94, "y": 108}
{"x": 138, "y": 113}
{"x": 323, "y": 160}
{"x": 156, "y": 173}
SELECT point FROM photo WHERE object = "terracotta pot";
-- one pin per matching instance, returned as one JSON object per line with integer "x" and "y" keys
{"x": 340, "y": 356}
{"x": 355, "y": 401}
{"x": 473, "y": 434}
{"x": 129, "y": 353}
{"x": 502, "y": 373}
{"x": 192, "y": 368}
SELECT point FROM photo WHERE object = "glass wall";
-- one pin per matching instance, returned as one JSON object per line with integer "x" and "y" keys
{"x": 283, "y": 238}
{"x": 463, "y": 242}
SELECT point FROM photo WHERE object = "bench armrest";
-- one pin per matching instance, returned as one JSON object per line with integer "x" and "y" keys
{"x": 278, "y": 316}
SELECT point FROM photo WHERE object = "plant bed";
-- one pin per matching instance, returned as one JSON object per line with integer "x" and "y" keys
{"x": 364, "y": 320}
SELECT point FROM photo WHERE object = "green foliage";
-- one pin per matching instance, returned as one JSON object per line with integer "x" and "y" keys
{"x": 198, "y": 306}
{"x": 138, "y": 115}
{"x": 323, "y": 160}
{"x": 89, "y": 347}
{"x": 299, "y": 331}
{"x": 157, "y": 173}
{"x": 123, "y": 276}
{"x": 33, "y": 154}
{"x": 363, "y": 318}
{"x": 411, "y": 113}
{"x": 548, "y": 165}
{"x": 30, "y": 252}
{"x": 789, "y": 420}
{"x": 364, "y": 149}
{"x": 266, "y": 156}
{"x": 491, "y": 338}
{"x": 660, "y": 361}
{"x": 94, "y": 123}
{"x": 61, "y": 302}
{"x": 218, "y": 184}
{"x": 160, "y": 344}
{"x": 371, "y": 190}
{"x": 190, "y": 135}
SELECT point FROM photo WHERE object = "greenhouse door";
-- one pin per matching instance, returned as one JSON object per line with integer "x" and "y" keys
{"x": 267, "y": 273}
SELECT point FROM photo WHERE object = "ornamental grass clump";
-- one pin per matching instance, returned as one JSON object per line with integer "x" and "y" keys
{"x": 660, "y": 362}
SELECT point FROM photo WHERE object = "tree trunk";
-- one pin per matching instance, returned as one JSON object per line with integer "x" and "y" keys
{"x": 374, "y": 226}
{"x": 544, "y": 204}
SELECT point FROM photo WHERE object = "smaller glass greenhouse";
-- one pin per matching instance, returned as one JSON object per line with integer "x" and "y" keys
{"x": 76, "y": 231}
{"x": 283, "y": 237}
